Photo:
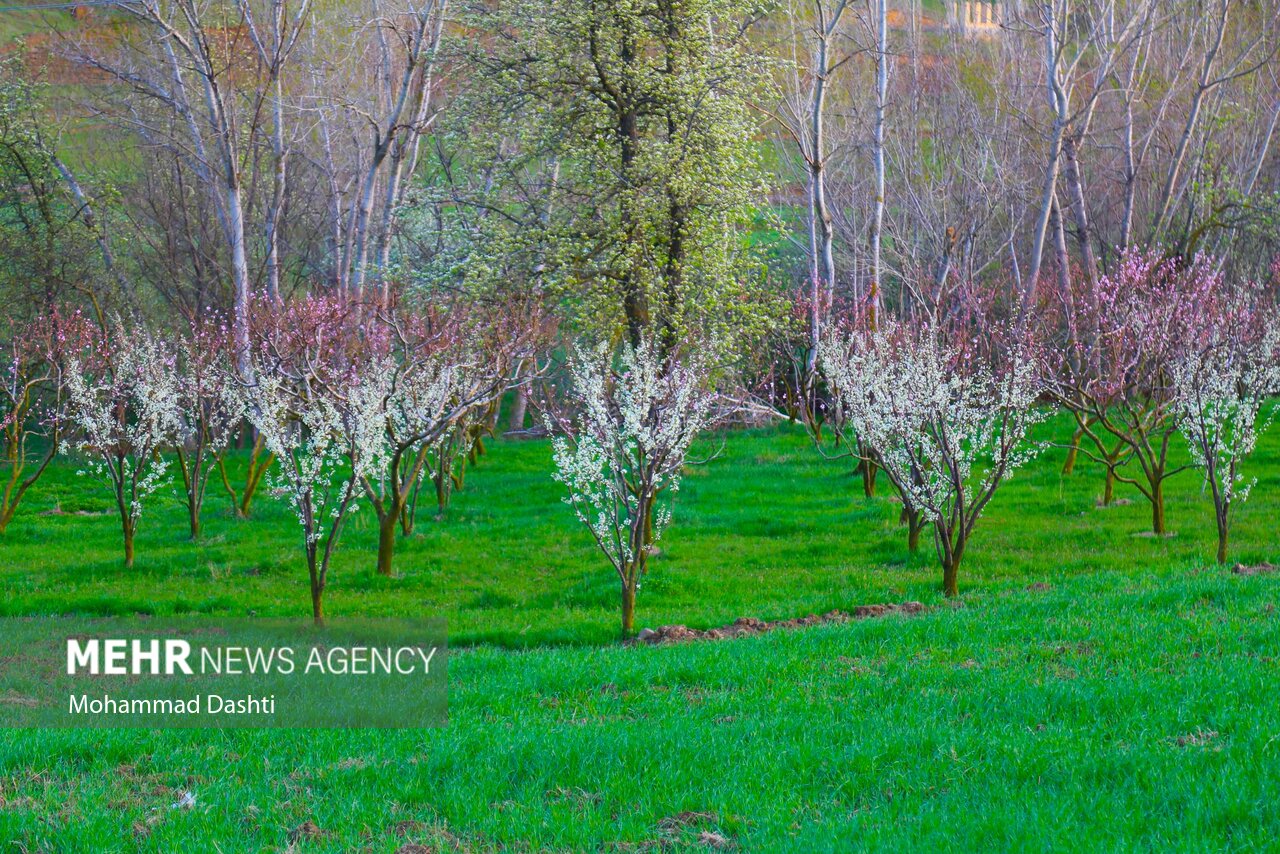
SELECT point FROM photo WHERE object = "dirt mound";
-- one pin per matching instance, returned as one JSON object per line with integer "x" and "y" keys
{"x": 1255, "y": 569}
{"x": 746, "y": 626}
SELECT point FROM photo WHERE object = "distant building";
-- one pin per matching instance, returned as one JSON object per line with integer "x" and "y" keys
{"x": 976, "y": 17}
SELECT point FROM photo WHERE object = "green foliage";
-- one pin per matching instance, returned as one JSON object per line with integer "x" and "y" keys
{"x": 619, "y": 149}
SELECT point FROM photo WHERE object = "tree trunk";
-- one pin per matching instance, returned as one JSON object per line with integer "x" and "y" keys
{"x": 914, "y": 527}
{"x": 1109, "y": 488}
{"x": 127, "y": 529}
{"x": 317, "y": 587}
{"x": 951, "y": 577}
{"x": 1222, "y": 538}
{"x": 1073, "y": 451}
{"x": 878, "y": 160}
{"x": 193, "y": 515}
{"x": 258, "y": 467}
{"x": 387, "y": 540}
{"x": 519, "y": 405}
{"x": 441, "y": 480}
{"x": 869, "y": 472}
{"x": 628, "y": 608}
{"x": 317, "y": 604}
{"x": 1157, "y": 507}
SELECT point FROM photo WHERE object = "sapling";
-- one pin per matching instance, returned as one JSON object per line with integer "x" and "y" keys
{"x": 122, "y": 413}
{"x": 318, "y": 398}
{"x": 625, "y": 445}
{"x": 1220, "y": 388}
{"x": 947, "y": 427}
{"x": 33, "y": 397}
{"x": 211, "y": 409}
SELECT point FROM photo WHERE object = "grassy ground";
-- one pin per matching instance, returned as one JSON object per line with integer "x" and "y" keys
{"x": 1131, "y": 704}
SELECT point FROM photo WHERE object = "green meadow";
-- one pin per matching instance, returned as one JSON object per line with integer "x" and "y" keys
{"x": 1092, "y": 689}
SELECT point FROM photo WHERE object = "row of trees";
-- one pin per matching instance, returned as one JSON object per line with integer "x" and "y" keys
{"x": 351, "y": 402}
{"x": 355, "y": 402}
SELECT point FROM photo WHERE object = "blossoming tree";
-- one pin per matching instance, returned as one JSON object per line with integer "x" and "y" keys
{"x": 211, "y": 409}
{"x": 1115, "y": 343}
{"x": 318, "y": 398}
{"x": 1220, "y": 387}
{"x": 947, "y": 427}
{"x": 33, "y": 396}
{"x": 122, "y": 413}
{"x": 624, "y": 445}
{"x": 445, "y": 365}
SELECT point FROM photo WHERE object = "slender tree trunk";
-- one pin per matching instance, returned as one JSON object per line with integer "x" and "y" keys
{"x": 869, "y": 472}
{"x": 952, "y": 541}
{"x": 1040, "y": 228}
{"x": 915, "y": 524}
{"x": 258, "y": 466}
{"x": 127, "y": 529}
{"x": 387, "y": 538}
{"x": 1157, "y": 506}
{"x": 1073, "y": 451}
{"x": 877, "y": 218}
{"x": 239, "y": 275}
{"x": 628, "y": 608}
{"x": 1222, "y": 535}
{"x": 951, "y": 577}
{"x": 1079, "y": 208}
{"x": 317, "y": 585}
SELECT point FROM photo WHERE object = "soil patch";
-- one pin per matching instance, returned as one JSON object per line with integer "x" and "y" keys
{"x": 745, "y": 626}
{"x": 1254, "y": 569}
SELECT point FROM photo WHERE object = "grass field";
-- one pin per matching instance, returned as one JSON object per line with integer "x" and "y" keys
{"x": 1093, "y": 689}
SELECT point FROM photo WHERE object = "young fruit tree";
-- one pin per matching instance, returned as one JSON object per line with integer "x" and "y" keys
{"x": 625, "y": 445}
{"x": 1220, "y": 389}
{"x": 1115, "y": 344}
{"x": 211, "y": 409}
{"x": 33, "y": 397}
{"x": 441, "y": 368}
{"x": 318, "y": 397}
{"x": 947, "y": 426}
{"x": 122, "y": 412}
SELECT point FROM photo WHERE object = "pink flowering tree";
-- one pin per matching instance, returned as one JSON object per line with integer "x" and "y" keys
{"x": 947, "y": 427}
{"x": 1114, "y": 347}
{"x": 123, "y": 412}
{"x": 33, "y": 397}
{"x": 624, "y": 445}
{"x": 211, "y": 409}
{"x": 1219, "y": 390}
{"x": 318, "y": 397}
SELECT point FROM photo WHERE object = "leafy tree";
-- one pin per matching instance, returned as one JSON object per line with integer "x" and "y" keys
{"x": 642, "y": 110}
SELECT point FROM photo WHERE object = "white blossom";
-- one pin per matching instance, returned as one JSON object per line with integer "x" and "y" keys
{"x": 121, "y": 417}
{"x": 1219, "y": 396}
{"x": 627, "y": 445}
{"x": 946, "y": 429}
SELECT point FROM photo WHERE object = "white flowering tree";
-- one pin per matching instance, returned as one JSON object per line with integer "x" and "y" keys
{"x": 319, "y": 401}
{"x": 443, "y": 368}
{"x": 211, "y": 409}
{"x": 947, "y": 428}
{"x": 625, "y": 446}
{"x": 121, "y": 414}
{"x": 1219, "y": 389}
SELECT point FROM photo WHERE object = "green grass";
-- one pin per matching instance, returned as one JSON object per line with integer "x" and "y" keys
{"x": 1132, "y": 704}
